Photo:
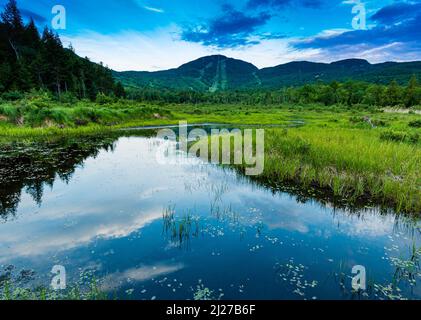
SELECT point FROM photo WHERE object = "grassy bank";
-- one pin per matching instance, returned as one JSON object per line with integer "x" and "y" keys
{"x": 356, "y": 155}
{"x": 352, "y": 157}
{"x": 353, "y": 165}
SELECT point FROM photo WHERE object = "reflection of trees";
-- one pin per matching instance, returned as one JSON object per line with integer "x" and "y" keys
{"x": 31, "y": 166}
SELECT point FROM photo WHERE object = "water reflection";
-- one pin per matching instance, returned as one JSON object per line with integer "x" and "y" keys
{"x": 32, "y": 166}
{"x": 104, "y": 204}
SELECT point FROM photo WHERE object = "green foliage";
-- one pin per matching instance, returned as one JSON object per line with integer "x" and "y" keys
{"x": 30, "y": 61}
{"x": 333, "y": 149}
{"x": 352, "y": 94}
{"x": 400, "y": 136}
{"x": 12, "y": 95}
{"x": 40, "y": 109}
{"x": 415, "y": 124}
{"x": 219, "y": 73}
{"x": 103, "y": 99}
{"x": 353, "y": 166}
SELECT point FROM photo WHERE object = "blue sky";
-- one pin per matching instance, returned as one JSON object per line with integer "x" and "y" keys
{"x": 161, "y": 34}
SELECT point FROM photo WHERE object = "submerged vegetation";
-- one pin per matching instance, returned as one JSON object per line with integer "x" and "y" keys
{"x": 16, "y": 285}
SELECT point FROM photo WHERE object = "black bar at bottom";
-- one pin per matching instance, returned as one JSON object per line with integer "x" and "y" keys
{"x": 167, "y": 310}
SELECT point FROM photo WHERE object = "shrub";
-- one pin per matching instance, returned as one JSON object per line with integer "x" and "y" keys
{"x": 102, "y": 99}
{"x": 11, "y": 112}
{"x": 68, "y": 97}
{"x": 400, "y": 136}
{"x": 415, "y": 124}
{"x": 379, "y": 123}
{"x": 12, "y": 95}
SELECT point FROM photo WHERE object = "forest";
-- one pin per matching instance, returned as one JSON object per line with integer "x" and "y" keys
{"x": 33, "y": 61}
{"x": 349, "y": 93}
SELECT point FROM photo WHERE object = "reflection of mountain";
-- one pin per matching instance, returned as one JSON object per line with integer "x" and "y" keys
{"x": 31, "y": 166}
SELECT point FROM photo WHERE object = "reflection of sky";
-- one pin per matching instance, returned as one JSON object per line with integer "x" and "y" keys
{"x": 121, "y": 193}
{"x": 114, "y": 280}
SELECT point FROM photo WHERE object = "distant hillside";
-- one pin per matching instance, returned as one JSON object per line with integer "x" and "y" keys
{"x": 211, "y": 73}
{"x": 218, "y": 73}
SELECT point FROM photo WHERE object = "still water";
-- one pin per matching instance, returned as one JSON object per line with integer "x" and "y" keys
{"x": 191, "y": 230}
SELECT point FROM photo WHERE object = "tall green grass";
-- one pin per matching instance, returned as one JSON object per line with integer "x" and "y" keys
{"x": 352, "y": 164}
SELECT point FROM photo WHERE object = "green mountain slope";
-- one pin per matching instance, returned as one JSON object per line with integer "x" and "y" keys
{"x": 213, "y": 73}
{"x": 218, "y": 73}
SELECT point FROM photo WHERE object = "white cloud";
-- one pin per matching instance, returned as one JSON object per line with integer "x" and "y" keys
{"x": 390, "y": 52}
{"x": 132, "y": 50}
{"x": 157, "y": 10}
{"x": 162, "y": 49}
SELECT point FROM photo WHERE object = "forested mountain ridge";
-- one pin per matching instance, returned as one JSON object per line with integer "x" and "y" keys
{"x": 29, "y": 61}
{"x": 219, "y": 73}
{"x": 212, "y": 73}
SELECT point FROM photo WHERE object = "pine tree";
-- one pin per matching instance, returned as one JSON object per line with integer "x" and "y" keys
{"x": 12, "y": 20}
{"x": 393, "y": 94}
{"x": 11, "y": 16}
{"x": 29, "y": 61}
{"x": 31, "y": 36}
{"x": 411, "y": 96}
{"x": 119, "y": 90}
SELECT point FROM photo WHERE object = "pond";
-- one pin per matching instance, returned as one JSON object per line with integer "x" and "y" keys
{"x": 104, "y": 207}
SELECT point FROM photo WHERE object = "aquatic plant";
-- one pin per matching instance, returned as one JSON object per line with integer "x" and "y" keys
{"x": 179, "y": 229}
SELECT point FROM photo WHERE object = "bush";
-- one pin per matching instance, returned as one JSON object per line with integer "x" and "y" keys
{"x": 415, "y": 124}
{"x": 43, "y": 95}
{"x": 12, "y": 95}
{"x": 103, "y": 99}
{"x": 68, "y": 97}
{"x": 39, "y": 116}
{"x": 11, "y": 112}
{"x": 400, "y": 136}
{"x": 379, "y": 123}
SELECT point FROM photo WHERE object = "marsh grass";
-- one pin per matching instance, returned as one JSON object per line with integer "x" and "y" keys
{"x": 180, "y": 230}
{"x": 337, "y": 152}
{"x": 351, "y": 165}
{"x": 90, "y": 291}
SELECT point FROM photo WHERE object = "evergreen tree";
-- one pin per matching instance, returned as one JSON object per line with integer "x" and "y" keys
{"x": 28, "y": 61}
{"x": 11, "y": 16}
{"x": 393, "y": 94}
{"x": 13, "y": 24}
{"x": 411, "y": 93}
{"x": 119, "y": 90}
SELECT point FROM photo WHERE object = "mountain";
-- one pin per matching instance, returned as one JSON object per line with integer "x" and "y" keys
{"x": 218, "y": 73}
{"x": 212, "y": 73}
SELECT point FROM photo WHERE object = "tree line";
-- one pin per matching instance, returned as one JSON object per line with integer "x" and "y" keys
{"x": 30, "y": 60}
{"x": 348, "y": 93}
